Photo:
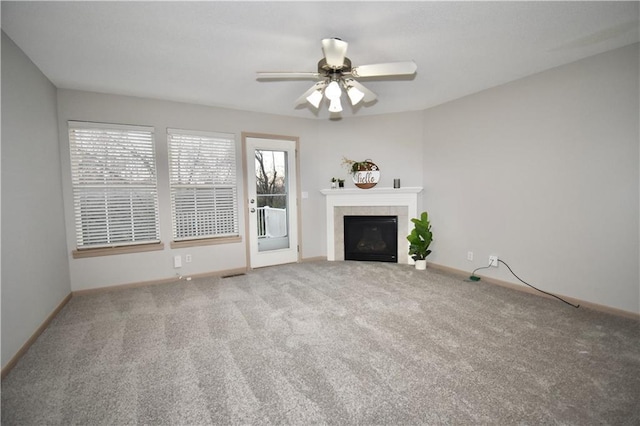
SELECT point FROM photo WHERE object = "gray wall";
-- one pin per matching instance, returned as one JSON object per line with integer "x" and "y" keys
{"x": 35, "y": 271}
{"x": 393, "y": 142}
{"x": 95, "y": 272}
{"x": 543, "y": 172}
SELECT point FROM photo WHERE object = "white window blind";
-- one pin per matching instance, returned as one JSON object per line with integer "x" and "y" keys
{"x": 202, "y": 170}
{"x": 113, "y": 172}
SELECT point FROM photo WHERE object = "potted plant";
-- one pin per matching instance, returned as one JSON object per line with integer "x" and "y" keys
{"x": 419, "y": 240}
{"x": 334, "y": 182}
{"x": 340, "y": 183}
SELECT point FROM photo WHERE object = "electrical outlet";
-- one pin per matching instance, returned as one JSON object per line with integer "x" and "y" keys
{"x": 493, "y": 261}
{"x": 177, "y": 262}
{"x": 469, "y": 255}
{"x": 187, "y": 258}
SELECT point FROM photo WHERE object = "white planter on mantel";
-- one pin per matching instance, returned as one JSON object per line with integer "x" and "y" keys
{"x": 406, "y": 197}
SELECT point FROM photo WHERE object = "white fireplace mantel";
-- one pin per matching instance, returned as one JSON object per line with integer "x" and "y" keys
{"x": 403, "y": 198}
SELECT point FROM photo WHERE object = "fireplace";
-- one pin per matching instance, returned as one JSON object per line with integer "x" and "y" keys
{"x": 372, "y": 238}
{"x": 399, "y": 202}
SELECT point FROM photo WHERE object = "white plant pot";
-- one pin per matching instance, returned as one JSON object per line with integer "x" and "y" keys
{"x": 421, "y": 265}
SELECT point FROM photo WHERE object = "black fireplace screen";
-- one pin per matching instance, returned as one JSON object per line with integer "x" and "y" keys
{"x": 373, "y": 238}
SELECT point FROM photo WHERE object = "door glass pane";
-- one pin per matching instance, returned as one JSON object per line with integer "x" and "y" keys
{"x": 272, "y": 199}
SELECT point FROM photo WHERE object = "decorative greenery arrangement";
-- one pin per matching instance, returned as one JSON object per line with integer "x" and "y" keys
{"x": 420, "y": 238}
{"x": 353, "y": 166}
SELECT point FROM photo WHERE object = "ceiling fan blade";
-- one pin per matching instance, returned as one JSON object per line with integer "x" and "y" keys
{"x": 286, "y": 75}
{"x": 389, "y": 68}
{"x": 368, "y": 94}
{"x": 318, "y": 86}
{"x": 334, "y": 51}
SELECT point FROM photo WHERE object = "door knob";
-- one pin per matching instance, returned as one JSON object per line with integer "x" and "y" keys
{"x": 252, "y": 210}
{"x": 252, "y": 201}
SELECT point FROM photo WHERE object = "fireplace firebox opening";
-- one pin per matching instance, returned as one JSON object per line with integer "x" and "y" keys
{"x": 371, "y": 238}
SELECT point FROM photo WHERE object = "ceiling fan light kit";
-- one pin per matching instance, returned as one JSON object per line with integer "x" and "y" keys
{"x": 314, "y": 98}
{"x": 333, "y": 91}
{"x": 335, "y": 105}
{"x": 336, "y": 73}
{"x": 355, "y": 95}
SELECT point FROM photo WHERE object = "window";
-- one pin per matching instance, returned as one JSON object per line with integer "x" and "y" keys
{"x": 113, "y": 173}
{"x": 202, "y": 170}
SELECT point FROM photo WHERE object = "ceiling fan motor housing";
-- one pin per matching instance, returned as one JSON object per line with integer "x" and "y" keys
{"x": 326, "y": 70}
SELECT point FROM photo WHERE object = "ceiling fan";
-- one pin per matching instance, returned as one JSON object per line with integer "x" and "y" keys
{"x": 335, "y": 74}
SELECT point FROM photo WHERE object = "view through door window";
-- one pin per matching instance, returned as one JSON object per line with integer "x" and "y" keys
{"x": 271, "y": 192}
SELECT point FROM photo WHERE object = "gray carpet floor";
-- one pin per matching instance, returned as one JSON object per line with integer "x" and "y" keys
{"x": 327, "y": 343}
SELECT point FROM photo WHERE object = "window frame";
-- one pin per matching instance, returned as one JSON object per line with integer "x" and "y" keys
{"x": 114, "y": 183}
{"x": 180, "y": 237}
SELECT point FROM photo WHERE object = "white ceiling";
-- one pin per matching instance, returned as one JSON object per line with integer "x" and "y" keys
{"x": 208, "y": 52}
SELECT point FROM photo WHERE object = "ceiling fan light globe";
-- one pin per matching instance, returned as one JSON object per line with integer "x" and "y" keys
{"x": 333, "y": 91}
{"x": 355, "y": 95}
{"x": 335, "y": 105}
{"x": 314, "y": 98}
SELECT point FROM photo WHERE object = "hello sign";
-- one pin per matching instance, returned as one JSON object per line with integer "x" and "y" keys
{"x": 367, "y": 175}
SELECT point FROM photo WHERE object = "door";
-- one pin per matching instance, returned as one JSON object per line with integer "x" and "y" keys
{"x": 272, "y": 202}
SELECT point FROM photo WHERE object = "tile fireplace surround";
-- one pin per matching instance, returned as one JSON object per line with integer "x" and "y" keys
{"x": 401, "y": 202}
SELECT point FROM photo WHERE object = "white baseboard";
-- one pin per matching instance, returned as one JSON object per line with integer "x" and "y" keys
{"x": 14, "y": 360}
{"x": 525, "y": 289}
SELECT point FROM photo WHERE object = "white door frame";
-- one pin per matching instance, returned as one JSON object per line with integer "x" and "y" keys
{"x": 295, "y": 197}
